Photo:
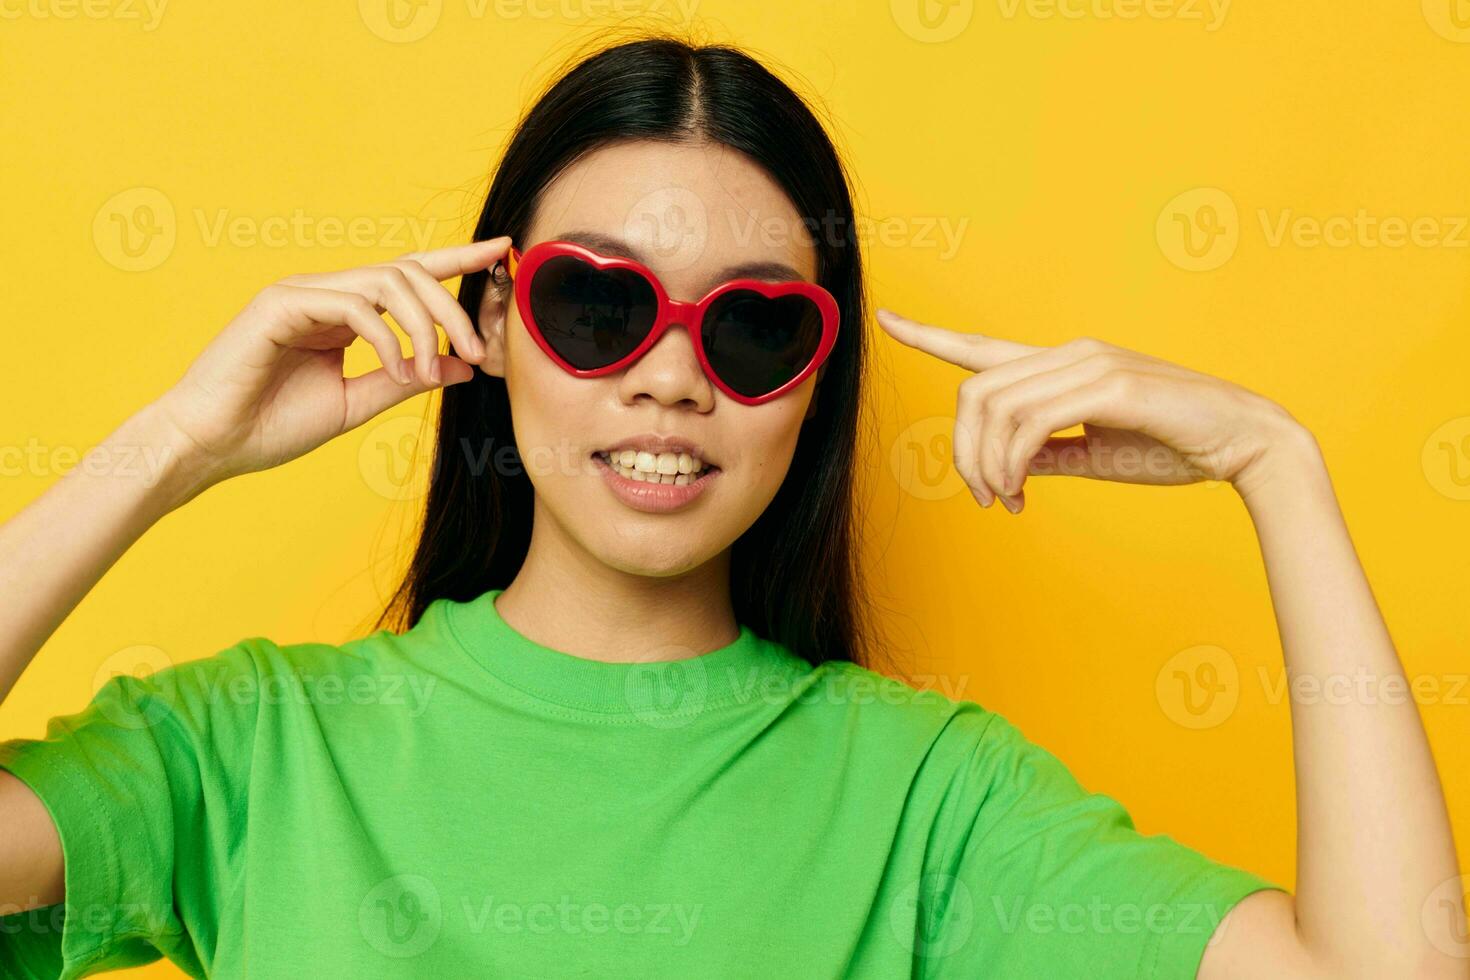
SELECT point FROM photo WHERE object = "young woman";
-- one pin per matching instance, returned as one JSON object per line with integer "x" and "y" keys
{"x": 626, "y": 731}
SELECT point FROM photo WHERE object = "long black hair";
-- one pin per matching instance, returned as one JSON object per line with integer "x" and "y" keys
{"x": 795, "y": 575}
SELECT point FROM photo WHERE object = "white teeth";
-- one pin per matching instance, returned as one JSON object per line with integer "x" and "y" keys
{"x": 677, "y": 469}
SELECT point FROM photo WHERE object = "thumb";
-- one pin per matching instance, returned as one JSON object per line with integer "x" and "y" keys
{"x": 371, "y": 394}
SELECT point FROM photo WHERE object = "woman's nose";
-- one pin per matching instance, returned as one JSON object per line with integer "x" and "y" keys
{"x": 669, "y": 373}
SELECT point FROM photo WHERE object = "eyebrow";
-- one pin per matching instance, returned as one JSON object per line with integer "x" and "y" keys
{"x": 610, "y": 245}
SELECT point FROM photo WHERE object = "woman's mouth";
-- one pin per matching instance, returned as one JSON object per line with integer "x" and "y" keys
{"x": 654, "y": 483}
{"x": 677, "y": 469}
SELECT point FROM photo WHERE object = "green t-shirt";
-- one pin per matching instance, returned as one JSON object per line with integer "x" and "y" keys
{"x": 458, "y": 801}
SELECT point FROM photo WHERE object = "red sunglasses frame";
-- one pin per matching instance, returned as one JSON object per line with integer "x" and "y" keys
{"x": 523, "y": 267}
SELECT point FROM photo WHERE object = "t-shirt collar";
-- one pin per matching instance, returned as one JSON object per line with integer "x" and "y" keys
{"x": 658, "y": 689}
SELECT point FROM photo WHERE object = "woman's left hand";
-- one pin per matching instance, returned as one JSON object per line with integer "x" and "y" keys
{"x": 1144, "y": 420}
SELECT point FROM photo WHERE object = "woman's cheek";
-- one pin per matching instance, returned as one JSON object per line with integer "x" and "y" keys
{"x": 765, "y": 458}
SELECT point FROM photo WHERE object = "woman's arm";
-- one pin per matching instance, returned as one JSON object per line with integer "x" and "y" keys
{"x": 51, "y": 554}
{"x": 1373, "y": 833}
{"x": 58, "y": 547}
{"x": 266, "y": 390}
{"x": 1374, "y": 836}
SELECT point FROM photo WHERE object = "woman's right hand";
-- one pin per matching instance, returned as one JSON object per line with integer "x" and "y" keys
{"x": 269, "y": 387}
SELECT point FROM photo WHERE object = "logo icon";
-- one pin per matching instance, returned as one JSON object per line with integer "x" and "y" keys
{"x": 1443, "y": 917}
{"x": 135, "y": 230}
{"x": 1198, "y": 687}
{"x": 129, "y": 707}
{"x": 401, "y": 916}
{"x": 922, "y": 459}
{"x": 1450, "y": 19}
{"x": 400, "y": 21}
{"x": 934, "y": 916}
{"x": 390, "y": 458}
{"x": 669, "y": 690}
{"x": 1199, "y": 230}
{"x": 932, "y": 21}
{"x": 1446, "y": 459}
{"x": 673, "y": 224}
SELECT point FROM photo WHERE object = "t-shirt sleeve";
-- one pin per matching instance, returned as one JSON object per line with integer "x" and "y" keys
{"x": 1040, "y": 877}
{"x": 133, "y": 783}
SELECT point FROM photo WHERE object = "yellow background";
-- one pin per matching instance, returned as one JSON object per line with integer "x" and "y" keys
{"x": 1068, "y": 152}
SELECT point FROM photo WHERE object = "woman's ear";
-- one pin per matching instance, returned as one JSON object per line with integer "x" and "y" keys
{"x": 493, "y": 309}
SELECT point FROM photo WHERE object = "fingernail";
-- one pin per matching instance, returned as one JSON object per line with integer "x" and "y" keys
{"x": 404, "y": 375}
{"x": 1011, "y": 505}
{"x": 435, "y": 374}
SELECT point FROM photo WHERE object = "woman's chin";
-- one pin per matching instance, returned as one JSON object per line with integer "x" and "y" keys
{"x": 636, "y": 555}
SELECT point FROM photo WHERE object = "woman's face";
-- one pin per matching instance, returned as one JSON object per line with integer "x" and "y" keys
{"x": 697, "y": 214}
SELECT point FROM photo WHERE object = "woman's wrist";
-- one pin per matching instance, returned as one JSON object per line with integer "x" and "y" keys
{"x": 1289, "y": 465}
{"x": 149, "y": 451}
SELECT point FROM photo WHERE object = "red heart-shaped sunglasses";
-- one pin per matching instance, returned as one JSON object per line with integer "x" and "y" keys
{"x": 595, "y": 314}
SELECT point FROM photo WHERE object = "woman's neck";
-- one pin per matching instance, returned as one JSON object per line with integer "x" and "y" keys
{"x": 566, "y": 599}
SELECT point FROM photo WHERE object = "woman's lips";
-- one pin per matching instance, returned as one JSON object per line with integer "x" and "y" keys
{"x": 655, "y": 498}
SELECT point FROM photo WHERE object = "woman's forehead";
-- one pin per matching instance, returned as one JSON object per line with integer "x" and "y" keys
{"x": 688, "y": 209}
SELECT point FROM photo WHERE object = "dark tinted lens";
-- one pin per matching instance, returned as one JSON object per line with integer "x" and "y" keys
{"x": 591, "y": 316}
{"x": 756, "y": 344}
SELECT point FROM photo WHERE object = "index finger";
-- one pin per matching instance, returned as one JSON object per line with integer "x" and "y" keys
{"x": 459, "y": 260}
{"x": 972, "y": 351}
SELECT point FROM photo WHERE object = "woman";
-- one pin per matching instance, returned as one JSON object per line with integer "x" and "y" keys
{"x": 627, "y": 731}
